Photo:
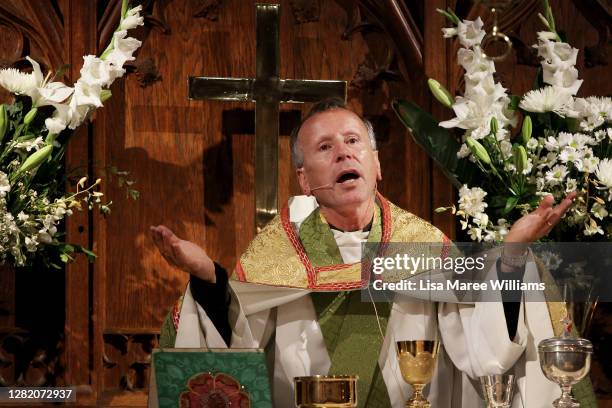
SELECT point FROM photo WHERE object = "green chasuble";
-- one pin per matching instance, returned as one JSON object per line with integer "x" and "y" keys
{"x": 349, "y": 325}
{"x": 310, "y": 259}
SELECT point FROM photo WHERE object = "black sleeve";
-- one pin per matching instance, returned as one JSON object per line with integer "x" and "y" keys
{"x": 511, "y": 298}
{"x": 215, "y": 300}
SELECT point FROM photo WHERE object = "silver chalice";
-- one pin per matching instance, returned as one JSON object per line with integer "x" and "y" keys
{"x": 565, "y": 361}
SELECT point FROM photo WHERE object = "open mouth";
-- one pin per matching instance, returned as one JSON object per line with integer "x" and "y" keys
{"x": 347, "y": 177}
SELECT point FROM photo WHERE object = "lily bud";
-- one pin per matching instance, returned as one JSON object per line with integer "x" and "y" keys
{"x": 29, "y": 117}
{"x": 494, "y": 126}
{"x": 105, "y": 95}
{"x": 526, "y": 130}
{"x": 479, "y": 151}
{"x": 440, "y": 93}
{"x": 50, "y": 139}
{"x": 3, "y": 121}
{"x": 520, "y": 158}
{"x": 36, "y": 159}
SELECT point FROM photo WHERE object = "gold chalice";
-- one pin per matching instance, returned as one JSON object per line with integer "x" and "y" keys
{"x": 326, "y": 391}
{"x": 417, "y": 361}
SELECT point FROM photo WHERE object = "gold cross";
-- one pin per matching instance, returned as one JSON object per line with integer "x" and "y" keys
{"x": 267, "y": 90}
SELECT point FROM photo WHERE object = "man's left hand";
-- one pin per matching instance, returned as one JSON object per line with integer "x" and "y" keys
{"x": 537, "y": 224}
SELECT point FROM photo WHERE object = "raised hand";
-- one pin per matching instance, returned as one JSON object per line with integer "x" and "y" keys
{"x": 183, "y": 254}
{"x": 538, "y": 223}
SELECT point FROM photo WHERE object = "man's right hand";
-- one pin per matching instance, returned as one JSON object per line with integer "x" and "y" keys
{"x": 183, "y": 254}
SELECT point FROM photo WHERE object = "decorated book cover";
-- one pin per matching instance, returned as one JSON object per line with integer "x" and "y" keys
{"x": 190, "y": 378}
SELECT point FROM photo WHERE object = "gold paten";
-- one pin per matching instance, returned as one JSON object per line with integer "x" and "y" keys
{"x": 321, "y": 391}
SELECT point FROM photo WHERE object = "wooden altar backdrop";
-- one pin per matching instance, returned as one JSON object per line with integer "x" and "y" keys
{"x": 193, "y": 160}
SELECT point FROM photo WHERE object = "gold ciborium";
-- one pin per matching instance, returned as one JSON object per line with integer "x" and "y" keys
{"x": 326, "y": 391}
{"x": 417, "y": 361}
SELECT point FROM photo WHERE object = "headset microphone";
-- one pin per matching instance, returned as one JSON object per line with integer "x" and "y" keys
{"x": 329, "y": 185}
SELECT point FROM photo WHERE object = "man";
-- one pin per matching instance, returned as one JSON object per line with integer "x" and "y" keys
{"x": 294, "y": 289}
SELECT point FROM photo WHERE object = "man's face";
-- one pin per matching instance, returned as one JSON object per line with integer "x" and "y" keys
{"x": 338, "y": 157}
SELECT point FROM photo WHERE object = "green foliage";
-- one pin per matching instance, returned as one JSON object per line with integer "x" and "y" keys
{"x": 437, "y": 142}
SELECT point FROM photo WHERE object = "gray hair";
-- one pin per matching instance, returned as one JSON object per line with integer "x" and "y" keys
{"x": 297, "y": 155}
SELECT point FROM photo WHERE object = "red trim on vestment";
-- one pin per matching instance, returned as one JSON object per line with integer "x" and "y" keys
{"x": 446, "y": 248}
{"x": 240, "y": 272}
{"x": 176, "y": 313}
{"x": 311, "y": 271}
{"x": 297, "y": 246}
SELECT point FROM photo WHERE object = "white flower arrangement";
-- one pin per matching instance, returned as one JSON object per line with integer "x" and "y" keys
{"x": 34, "y": 131}
{"x": 564, "y": 143}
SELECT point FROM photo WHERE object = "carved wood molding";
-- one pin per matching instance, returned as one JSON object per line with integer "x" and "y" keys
{"x": 305, "y": 11}
{"x": 598, "y": 14}
{"x": 403, "y": 34}
{"x": 145, "y": 69}
{"x": 403, "y": 40}
{"x": 36, "y": 26}
{"x": 30, "y": 360}
{"x": 128, "y": 357}
{"x": 208, "y": 9}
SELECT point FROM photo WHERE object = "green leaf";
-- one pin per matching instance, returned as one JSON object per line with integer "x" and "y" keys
{"x": 498, "y": 201}
{"x": 538, "y": 81}
{"x": 91, "y": 256}
{"x": 514, "y": 102}
{"x": 60, "y": 73}
{"x": 446, "y": 14}
{"x": 572, "y": 125}
{"x": 452, "y": 13}
{"x": 535, "y": 201}
{"x": 437, "y": 142}
{"x": 510, "y": 204}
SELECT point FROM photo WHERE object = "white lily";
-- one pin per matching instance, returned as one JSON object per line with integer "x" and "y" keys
{"x": 34, "y": 85}
{"x": 558, "y": 62}
{"x": 449, "y": 32}
{"x": 78, "y": 114}
{"x": 546, "y": 35}
{"x": 474, "y": 61}
{"x": 558, "y": 54}
{"x": 96, "y": 71}
{"x": 470, "y": 32}
{"x": 132, "y": 19}
{"x": 86, "y": 94}
{"x": 123, "y": 48}
{"x": 566, "y": 79}
{"x": 46, "y": 93}
{"x": 60, "y": 119}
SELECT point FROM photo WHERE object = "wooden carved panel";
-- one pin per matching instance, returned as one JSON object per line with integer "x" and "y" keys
{"x": 28, "y": 359}
{"x": 31, "y": 28}
{"x": 127, "y": 357}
